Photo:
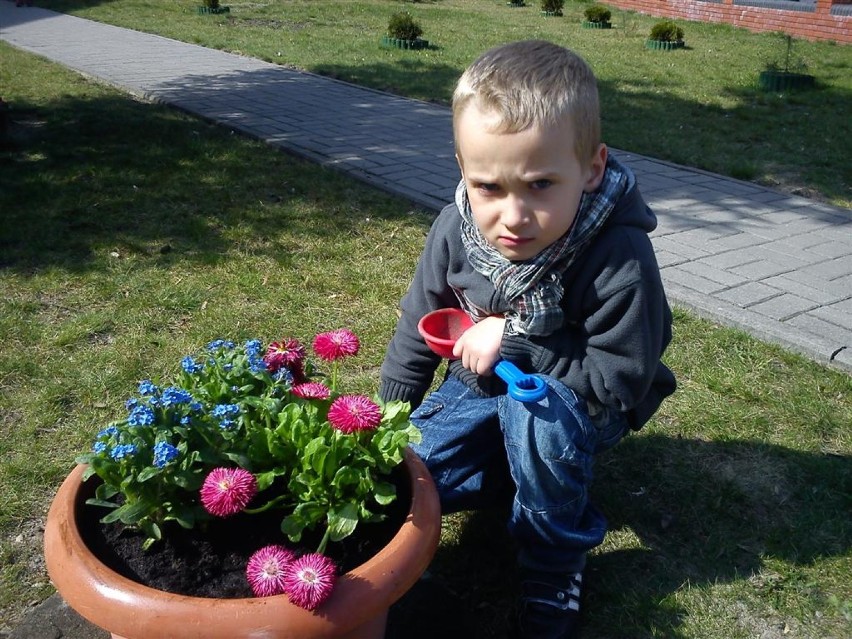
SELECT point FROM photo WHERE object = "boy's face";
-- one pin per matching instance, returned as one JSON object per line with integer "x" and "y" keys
{"x": 524, "y": 188}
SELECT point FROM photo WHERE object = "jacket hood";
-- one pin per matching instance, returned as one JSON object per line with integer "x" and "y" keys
{"x": 631, "y": 210}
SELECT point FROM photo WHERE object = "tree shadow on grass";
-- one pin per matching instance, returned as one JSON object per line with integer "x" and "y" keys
{"x": 791, "y": 142}
{"x": 705, "y": 513}
{"x": 83, "y": 176}
{"x": 422, "y": 77}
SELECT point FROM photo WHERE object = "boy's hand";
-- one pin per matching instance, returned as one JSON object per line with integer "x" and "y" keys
{"x": 478, "y": 348}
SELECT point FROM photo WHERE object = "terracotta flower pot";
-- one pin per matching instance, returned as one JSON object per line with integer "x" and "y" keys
{"x": 357, "y": 609}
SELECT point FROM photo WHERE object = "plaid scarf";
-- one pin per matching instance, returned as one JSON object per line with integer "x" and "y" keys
{"x": 533, "y": 287}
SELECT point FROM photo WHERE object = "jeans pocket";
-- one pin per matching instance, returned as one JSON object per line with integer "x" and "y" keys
{"x": 430, "y": 406}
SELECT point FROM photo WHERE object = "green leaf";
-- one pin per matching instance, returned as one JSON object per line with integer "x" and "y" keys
{"x": 414, "y": 434}
{"x": 151, "y": 529}
{"x": 395, "y": 411}
{"x": 148, "y": 473}
{"x": 239, "y": 459}
{"x": 101, "y": 502}
{"x": 88, "y": 472}
{"x": 385, "y": 493}
{"x": 346, "y": 476}
{"x": 342, "y": 521}
{"x": 255, "y": 402}
{"x": 112, "y": 517}
{"x": 86, "y": 458}
{"x": 271, "y": 442}
{"x": 293, "y": 526}
{"x": 131, "y": 513}
{"x": 105, "y": 491}
{"x": 189, "y": 480}
{"x": 315, "y": 454}
{"x": 264, "y": 480}
{"x": 185, "y": 517}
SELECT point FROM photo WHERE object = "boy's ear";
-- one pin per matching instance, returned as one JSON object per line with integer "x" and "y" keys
{"x": 596, "y": 170}
{"x": 461, "y": 165}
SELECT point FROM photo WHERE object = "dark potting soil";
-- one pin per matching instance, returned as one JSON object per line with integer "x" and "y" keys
{"x": 210, "y": 560}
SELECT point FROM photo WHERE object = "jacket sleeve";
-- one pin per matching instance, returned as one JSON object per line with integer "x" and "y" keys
{"x": 409, "y": 365}
{"x": 618, "y": 323}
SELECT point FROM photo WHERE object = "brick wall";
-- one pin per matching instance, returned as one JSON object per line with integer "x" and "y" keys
{"x": 816, "y": 24}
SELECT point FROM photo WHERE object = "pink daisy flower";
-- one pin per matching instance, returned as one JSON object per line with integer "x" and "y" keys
{"x": 226, "y": 491}
{"x": 309, "y": 580}
{"x": 351, "y": 413}
{"x": 335, "y": 345}
{"x": 312, "y": 390}
{"x": 266, "y": 568}
{"x": 287, "y": 353}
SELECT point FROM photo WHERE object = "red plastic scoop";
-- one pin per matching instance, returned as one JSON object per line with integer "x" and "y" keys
{"x": 442, "y": 328}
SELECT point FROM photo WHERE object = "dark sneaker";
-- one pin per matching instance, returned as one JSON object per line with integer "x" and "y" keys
{"x": 550, "y": 607}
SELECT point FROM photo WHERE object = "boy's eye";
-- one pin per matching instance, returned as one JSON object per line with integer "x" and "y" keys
{"x": 540, "y": 184}
{"x": 487, "y": 187}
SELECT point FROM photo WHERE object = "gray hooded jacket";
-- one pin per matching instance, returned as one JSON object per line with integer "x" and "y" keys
{"x": 617, "y": 319}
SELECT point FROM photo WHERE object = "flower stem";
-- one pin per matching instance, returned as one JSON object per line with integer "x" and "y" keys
{"x": 334, "y": 369}
{"x": 262, "y": 509}
{"x": 324, "y": 542}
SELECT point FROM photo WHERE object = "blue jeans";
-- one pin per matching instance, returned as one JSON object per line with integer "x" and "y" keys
{"x": 477, "y": 447}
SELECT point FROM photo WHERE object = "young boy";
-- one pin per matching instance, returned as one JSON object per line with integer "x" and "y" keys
{"x": 546, "y": 248}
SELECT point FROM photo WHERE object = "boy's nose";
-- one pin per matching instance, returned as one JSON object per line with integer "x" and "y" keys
{"x": 515, "y": 213}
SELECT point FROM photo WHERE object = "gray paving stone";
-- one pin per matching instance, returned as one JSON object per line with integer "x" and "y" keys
{"x": 784, "y": 307}
{"x": 837, "y": 315}
{"x": 732, "y": 258}
{"x": 744, "y": 207}
{"x": 831, "y": 269}
{"x": 810, "y": 243}
{"x": 673, "y": 244}
{"x": 720, "y": 276}
{"x": 656, "y": 183}
{"x": 760, "y": 269}
{"x": 767, "y": 195}
{"x": 667, "y": 258}
{"x": 749, "y": 294}
{"x": 825, "y": 294}
{"x": 417, "y": 184}
{"x": 816, "y": 325}
{"x": 691, "y": 281}
{"x": 844, "y": 305}
{"x": 838, "y": 288}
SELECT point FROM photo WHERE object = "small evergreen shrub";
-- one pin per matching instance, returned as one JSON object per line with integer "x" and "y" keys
{"x": 403, "y": 27}
{"x": 666, "y": 31}
{"x": 597, "y": 13}
{"x": 552, "y": 6}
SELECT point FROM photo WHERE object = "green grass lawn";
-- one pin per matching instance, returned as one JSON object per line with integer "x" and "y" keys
{"x": 699, "y": 106}
{"x": 131, "y": 235}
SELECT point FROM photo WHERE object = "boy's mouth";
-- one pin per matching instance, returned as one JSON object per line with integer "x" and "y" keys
{"x": 513, "y": 242}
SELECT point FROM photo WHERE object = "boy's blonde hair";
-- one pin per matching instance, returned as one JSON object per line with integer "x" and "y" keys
{"x": 533, "y": 83}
